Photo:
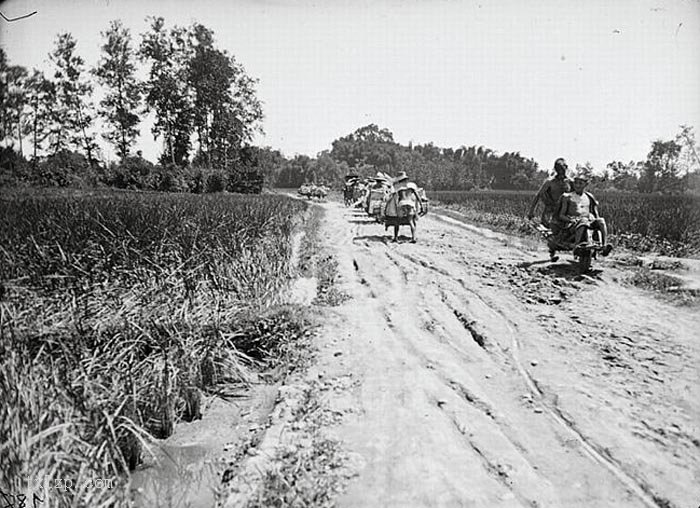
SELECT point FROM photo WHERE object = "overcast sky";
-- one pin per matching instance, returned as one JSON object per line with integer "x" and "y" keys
{"x": 593, "y": 80}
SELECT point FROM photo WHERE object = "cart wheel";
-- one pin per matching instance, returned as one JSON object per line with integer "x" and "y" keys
{"x": 584, "y": 261}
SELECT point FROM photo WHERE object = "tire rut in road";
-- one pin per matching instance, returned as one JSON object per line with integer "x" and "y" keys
{"x": 480, "y": 415}
{"x": 496, "y": 469}
{"x": 494, "y": 312}
{"x": 636, "y": 485}
{"x": 599, "y": 455}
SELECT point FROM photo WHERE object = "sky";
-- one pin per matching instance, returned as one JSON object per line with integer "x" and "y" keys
{"x": 592, "y": 81}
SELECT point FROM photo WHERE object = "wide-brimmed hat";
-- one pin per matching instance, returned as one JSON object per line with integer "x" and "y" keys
{"x": 401, "y": 177}
{"x": 583, "y": 177}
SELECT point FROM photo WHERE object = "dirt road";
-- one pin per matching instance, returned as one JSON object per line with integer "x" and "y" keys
{"x": 482, "y": 375}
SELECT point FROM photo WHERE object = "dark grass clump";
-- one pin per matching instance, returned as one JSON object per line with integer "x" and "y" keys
{"x": 654, "y": 281}
{"x": 305, "y": 477}
{"x": 308, "y": 475}
{"x": 668, "y": 287}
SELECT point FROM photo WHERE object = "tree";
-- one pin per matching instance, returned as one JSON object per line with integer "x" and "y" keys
{"x": 661, "y": 171}
{"x": 367, "y": 145}
{"x": 510, "y": 170}
{"x": 71, "y": 118}
{"x": 41, "y": 98}
{"x": 12, "y": 100}
{"x": 4, "y": 86}
{"x": 210, "y": 75}
{"x": 198, "y": 90}
{"x": 624, "y": 176}
{"x": 295, "y": 172}
{"x": 235, "y": 120}
{"x": 116, "y": 72}
{"x": 689, "y": 158}
{"x": 167, "y": 91}
{"x": 269, "y": 162}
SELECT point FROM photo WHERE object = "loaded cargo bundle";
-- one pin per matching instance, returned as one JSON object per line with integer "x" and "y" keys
{"x": 398, "y": 210}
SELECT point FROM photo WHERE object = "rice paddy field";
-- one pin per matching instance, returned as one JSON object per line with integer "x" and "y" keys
{"x": 119, "y": 312}
{"x": 665, "y": 224}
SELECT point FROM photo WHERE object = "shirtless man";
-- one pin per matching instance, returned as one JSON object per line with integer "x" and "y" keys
{"x": 550, "y": 192}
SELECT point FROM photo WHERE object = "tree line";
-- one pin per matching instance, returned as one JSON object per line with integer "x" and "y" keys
{"x": 371, "y": 149}
{"x": 206, "y": 115}
{"x": 204, "y": 105}
{"x": 670, "y": 166}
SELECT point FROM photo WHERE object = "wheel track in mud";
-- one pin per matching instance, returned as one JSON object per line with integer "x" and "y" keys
{"x": 473, "y": 402}
{"x": 635, "y": 485}
{"x": 595, "y": 453}
{"x": 469, "y": 399}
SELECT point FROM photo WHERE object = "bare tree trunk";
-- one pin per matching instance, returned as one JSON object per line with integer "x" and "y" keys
{"x": 123, "y": 148}
{"x": 19, "y": 133}
{"x": 88, "y": 148}
{"x": 36, "y": 117}
{"x": 171, "y": 143}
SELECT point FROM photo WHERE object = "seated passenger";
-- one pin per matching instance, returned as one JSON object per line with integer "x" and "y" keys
{"x": 579, "y": 210}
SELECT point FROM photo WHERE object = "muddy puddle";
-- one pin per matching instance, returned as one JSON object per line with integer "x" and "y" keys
{"x": 185, "y": 469}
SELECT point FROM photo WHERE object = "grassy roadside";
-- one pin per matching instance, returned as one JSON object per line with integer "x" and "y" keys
{"x": 309, "y": 469}
{"x": 303, "y": 466}
{"x": 118, "y": 313}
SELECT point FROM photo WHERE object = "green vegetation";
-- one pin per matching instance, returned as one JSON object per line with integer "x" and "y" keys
{"x": 668, "y": 224}
{"x": 118, "y": 312}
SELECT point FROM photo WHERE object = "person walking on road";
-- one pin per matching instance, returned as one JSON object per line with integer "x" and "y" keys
{"x": 549, "y": 193}
{"x": 407, "y": 205}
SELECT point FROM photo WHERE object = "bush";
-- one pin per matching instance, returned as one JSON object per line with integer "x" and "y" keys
{"x": 130, "y": 173}
{"x": 167, "y": 179}
{"x": 13, "y": 167}
{"x": 216, "y": 181}
{"x": 65, "y": 169}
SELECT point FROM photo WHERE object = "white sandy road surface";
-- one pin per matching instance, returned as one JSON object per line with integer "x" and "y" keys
{"x": 481, "y": 379}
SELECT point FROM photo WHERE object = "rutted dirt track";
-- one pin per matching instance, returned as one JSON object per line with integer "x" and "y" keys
{"x": 484, "y": 376}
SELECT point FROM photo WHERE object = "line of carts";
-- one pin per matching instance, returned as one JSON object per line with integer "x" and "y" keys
{"x": 381, "y": 199}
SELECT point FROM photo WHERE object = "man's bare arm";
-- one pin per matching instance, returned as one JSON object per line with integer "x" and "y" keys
{"x": 538, "y": 196}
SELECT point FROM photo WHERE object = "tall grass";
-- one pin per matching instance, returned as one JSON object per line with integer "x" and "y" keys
{"x": 118, "y": 312}
{"x": 644, "y": 222}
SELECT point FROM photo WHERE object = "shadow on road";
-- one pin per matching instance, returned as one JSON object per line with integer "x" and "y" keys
{"x": 372, "y": 238}
{"x": 527, "y": 264}
{"x": 567, "y": 270}
{"x": 381, "y": 238}
{"x": 362, "y": 221}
